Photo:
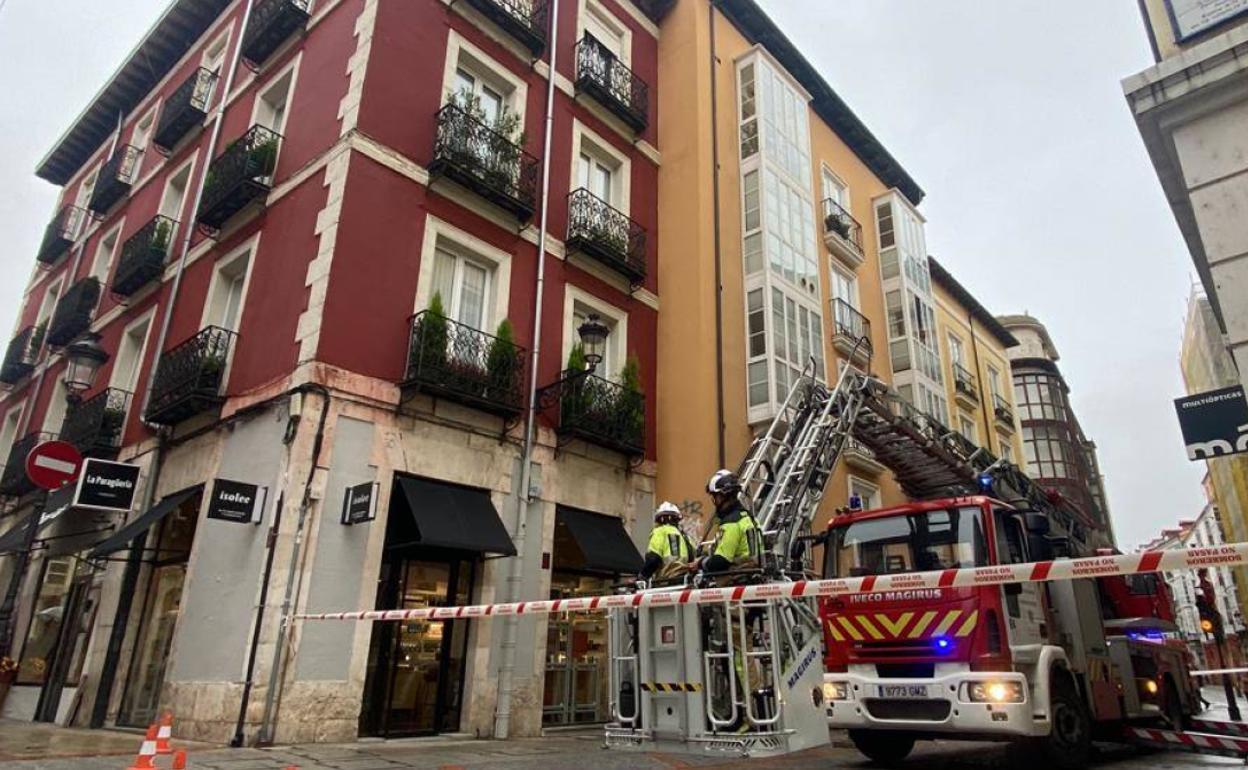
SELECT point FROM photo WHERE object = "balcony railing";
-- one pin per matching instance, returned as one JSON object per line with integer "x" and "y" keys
{"x": 190, "y": 377}
{"x": 454, "y": 361}
{"x": 23, "y": 353}
{"x": 185, "y": 109}
{"x": 525, "y": 20}
{"x": 964, "y": 381}
{"x": 602, "y": 412}
{"x": 842, "y": 233}
{"x": 96, "y": 424}
{"x": 271, "y": 23}
{"x": 1001, "y": 408}
{"x": 13, "y": 481}
{"x": 73, "y": 313}
{"x": 476, "y": 156}
{"x": 115, "y": 179}
{"x": 60, "y": 234}
{"x": 239, "y": 176}
{"x": 602, "y": 75}
{"x": 848, "y": 322}
{"x": 606, "y": 234}
{"x": 143, "y": 256}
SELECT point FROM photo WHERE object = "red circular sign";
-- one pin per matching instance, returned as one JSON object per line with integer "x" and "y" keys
{"x": 53, "y": 464}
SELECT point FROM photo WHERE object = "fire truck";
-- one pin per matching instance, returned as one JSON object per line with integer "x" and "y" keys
{"x": 1042, "y": 663}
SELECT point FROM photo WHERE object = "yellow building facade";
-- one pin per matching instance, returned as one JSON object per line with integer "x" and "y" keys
{"x": 772, "y": 194}
{"x": 978, "y": 381}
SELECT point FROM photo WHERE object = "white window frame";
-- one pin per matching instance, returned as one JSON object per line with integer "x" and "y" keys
{"x": 461, "y": 240}
{"x": 83, "y": 197}
{"x": 614, "y": 317}
{"x": 826, "y": 174}
{"x": 624, "y": 33}
{"x": 13, "y": 416}
{"x": 148, "y": 117}
{"x": 57, "y": 408}
{"x": 189, "y": 168}
{"x": 850, "y": 279}
{"x": 957, "y": 349}
{"x": 246, "y": 251}
{"x": 292, "y": 71}
{"x": 461, "y": 53}
{"x": 110, "y": 262}
{"x": 851, "y": 481}
{"x": 586, "y": 140}
{"x": 223, "y": 38}
{"x": 965, "y": 421}
{"x": 47, "y": 305}
{"x": 140, "y": 353}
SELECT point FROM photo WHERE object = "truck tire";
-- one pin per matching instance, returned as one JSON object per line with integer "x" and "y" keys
{"x": 1069, "y": 743}
{"x": 1173, "y": 710}
{"x": 882, "y": 746}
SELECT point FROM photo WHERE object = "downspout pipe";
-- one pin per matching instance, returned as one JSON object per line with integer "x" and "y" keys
{"x": 984, "y": 396}
{"x": 719, "y": 280}
{"x": 515, "y": 575}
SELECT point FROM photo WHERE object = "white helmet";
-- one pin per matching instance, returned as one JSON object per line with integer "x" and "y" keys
{"x": 666, "y": 508}
{"x": 723, "y": 482}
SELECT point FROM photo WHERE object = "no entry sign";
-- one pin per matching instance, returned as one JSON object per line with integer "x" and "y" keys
{"x": 53, "y": 464}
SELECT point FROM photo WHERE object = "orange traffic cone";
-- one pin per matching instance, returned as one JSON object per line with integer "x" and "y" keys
{"x": 164, "y": 734}
{"x": 179, "y": 760}
{"x": 147, "y": 752}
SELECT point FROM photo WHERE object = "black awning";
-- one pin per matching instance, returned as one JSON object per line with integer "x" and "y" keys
{"x": 14, "y": 540}
{"x": 122, "y": 537}
{"x": 448, "y": 516}
{"x": 593, "y": 543}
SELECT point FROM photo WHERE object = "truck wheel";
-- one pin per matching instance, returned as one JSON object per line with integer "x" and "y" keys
{"x": 881, "y": 746}
{"x": 1174, "y": 707}
{"x": 1069, "y": 744}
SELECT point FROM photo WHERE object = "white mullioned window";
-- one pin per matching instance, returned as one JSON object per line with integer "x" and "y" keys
{"x": 464, "y": 285}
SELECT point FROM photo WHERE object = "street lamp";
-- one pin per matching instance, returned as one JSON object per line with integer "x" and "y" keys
{"x": 593, "y": 334}
{"x": 84, "y": 358}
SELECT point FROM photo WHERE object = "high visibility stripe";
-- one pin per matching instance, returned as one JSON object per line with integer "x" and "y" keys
{"x": 969, "y": 625}
{"x": 948, "y": 622}
{"x": 947, "y": 577}
{"x": 671, "y": 686}
{"x": 1042, "y": 570}
{"x": 923, "y": 623}
{"x": 850, "y": 628}
{"x": 868, "y": 583}
{"x": 865, "y": 622}
{"x": 1150, "y": 561}
{"x": 836, "y": 635}
{"x": 894, "y": 628}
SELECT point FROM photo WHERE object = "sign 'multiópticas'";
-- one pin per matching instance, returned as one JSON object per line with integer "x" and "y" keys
{"x": 1214, "y": 423}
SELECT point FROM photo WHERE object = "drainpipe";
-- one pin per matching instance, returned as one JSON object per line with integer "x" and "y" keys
{"x": 134, "y": 561}
{"x": 984, "y": 396}
{"x": 515, "y": 575}
{"x": 719, "y": 283}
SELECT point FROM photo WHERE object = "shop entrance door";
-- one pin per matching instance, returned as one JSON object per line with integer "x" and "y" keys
{"x": 575, "y": 691}
{"x": 416, "y": 668}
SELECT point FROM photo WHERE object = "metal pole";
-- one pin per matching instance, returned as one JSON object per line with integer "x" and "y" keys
{"x": 515, "y": 574}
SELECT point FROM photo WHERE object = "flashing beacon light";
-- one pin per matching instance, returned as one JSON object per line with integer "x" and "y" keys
{"x": 943, "y": 644}
{"x": 985, "y": 483}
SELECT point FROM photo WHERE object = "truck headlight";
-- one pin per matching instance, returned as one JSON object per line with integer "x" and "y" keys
{"x": 995, "y": 692}
{"x": 834, "y": 691}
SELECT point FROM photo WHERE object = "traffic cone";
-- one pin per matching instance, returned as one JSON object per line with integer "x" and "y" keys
{"x": 179, "y": 760}
{"x": 147, "y": 752}
{"x": 164, "y": 734}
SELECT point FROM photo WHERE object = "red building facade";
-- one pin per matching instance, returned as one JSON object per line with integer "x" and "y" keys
{"x": 311, "y": 255}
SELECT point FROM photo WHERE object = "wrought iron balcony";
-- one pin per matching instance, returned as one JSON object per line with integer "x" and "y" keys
{"x": 1002, "y": 410}
{"x": 74, "y": 312}
{"x": 239, "y": 176}
{"x": 964, "y": 383}
{"x": 13, "y": 481}
{"x": 115, "y": 179}
{"x": 190, "y": 377}
{"x": 525, "y": 20}
{"x": 185, "y": 109}
{"x": 606, "y": 234}
{"x": 601, "y": 412}
{"x": 143, "y": 256}
{"x": 271, "y": 23}
{"x": 95, "y": 425}
{"x": 60, "y": 234}
{"x": 460, "y": 363}
{"x": 842, "y": 233}
{"x": 476, "y": 156}
{"x": 602, "y": 75}
{"x": 22, "y": 355}
{"x": 851, "y": 331}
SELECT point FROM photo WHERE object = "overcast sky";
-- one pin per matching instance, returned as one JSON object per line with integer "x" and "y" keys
{"x": 1040, "y": 197}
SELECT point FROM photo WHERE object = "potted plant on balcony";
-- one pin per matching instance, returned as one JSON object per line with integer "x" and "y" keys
{"x": 111, "y": 422}
{"x": 837, "y": 224}
{"x": 489, "y": 149}
{"x": 160, "y": 235}
{"x": 262, "y": 161}
{"x": 631, "y": 407}
{"x": 501, "y": 365}
{"x": 575, "y": 398}
{"x": 429, "y": 339}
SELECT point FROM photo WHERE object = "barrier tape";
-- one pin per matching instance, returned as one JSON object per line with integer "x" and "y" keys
{"x": 1218, "y": 671}
{"x": 1036, "y": 572}
{"x": 1235, "y": 747}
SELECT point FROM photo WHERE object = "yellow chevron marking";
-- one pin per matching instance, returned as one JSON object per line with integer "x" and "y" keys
{"x": 947, "y": 623}
{"x": 835, "y": 634}
{"x": 871, "y": 629}
{"x": 922, "y": 625}
{"x": 969, "y": 625}
{"x": 894, "y": 628}
{"x": 850, "y": 629}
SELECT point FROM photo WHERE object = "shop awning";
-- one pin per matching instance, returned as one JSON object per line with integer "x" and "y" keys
{"x": 14, "y": 539}
{"x": 598, "y": 543}
{"x": 448, "y": 516}
{"x": 120, "y": 539}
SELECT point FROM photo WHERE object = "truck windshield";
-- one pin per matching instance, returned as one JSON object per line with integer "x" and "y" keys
{"x": 943, "y": 539}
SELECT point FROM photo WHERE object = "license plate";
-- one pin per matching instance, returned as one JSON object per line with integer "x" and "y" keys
{"x": 903, "y": 690}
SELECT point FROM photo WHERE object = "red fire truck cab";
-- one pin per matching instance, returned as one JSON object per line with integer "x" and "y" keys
{"x": 1049, "y": 664}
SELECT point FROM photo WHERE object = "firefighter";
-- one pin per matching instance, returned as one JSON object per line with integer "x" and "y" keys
{"x": 668, "y": 545}
{"x": 738, "y": 538}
